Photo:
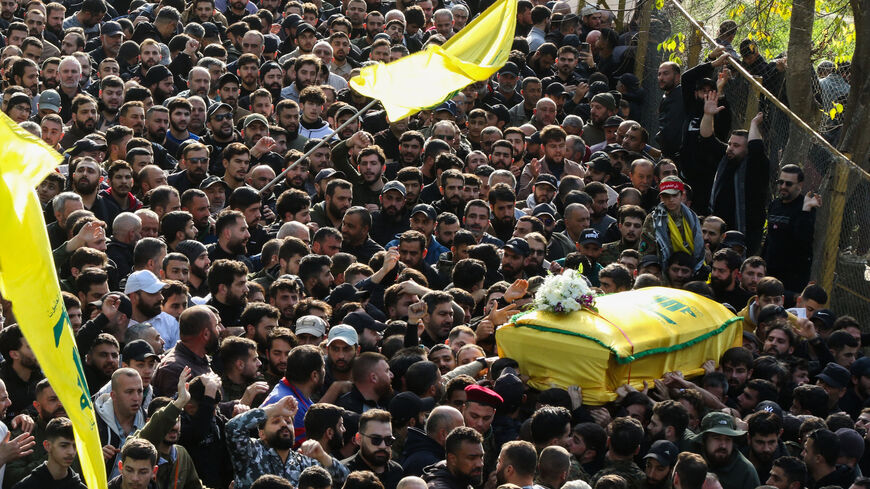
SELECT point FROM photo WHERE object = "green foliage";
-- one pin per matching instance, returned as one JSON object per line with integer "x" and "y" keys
{"x": 675, "y": 47}
{"x": 768, "y": 23}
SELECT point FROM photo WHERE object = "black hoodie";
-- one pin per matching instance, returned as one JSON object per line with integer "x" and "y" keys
{"x": 422, "y": 452}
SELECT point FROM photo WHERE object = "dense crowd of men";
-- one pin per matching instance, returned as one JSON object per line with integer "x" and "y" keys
{"x": 337, "y": 329}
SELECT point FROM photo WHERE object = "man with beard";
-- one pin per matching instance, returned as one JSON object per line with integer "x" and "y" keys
{"x": 375, "y": 438}
{"x": 144, "y": 290}
{"x": 156, "y": 124}
{"x": 48, "y": 75}
{"x": 452, "y": 201}
{"x": 820, "y": 453}
{"x": 324, "y": 423}
{"x": 314, "y": 271}
{"x": 502, "y": 199}
{"x": 149, "y": 56}
{"x": 194, "y": 168}
{"x": 723, "y": 278}
{"x": 516, "y": 252}
{"x": 659, "y": 465}
{"x": 287, "y": 116}
{"x": 791, "y": 216}
{"x": 476, "y": 221}
{"x": 355, "y": 227}
{"x": 718, "y": 432}
{"x": 161, "y": 82}
{"x": 227, "y": 283}
{"x": 410, "y": 151}
{"x": 342, "y": 347}
{"x": 241, "y": 368}
{"x": 283, "y": 294}
{"x": 254, "y": 457}
{"x": 341, "y": 65}
{"x": 199, "y": 328}
{"x": 119, "y": 196}
{"x": 669, "y": 421}
{"x": 336, "y": 201}
{"x": 553, "y": 142}
{"x": 631, "y": 218}
{"x": 780, "y": 339}
{"x": 198, "y": 83}
{"x": 307, "y": 68}
{"x": 391, "y": 218}
{"x": 671, "y": 111}
{"x": 741, "y": 184}
{"x": 179, "y": 119}
{"x": 464, "y": 465}
{"x": 70, "y": 74}
{"x": 506, "y": 92}
{"x": 132, "y": 114}
{"x": 83, "y": 120}
{"x": 197, "y": 253}
{"x": 764, "y": 443}
{"x": 86, "y": 175}
{"x": 713, "y": 231}
{"x": 601, "y": 107}
{"x": 368, "y": 175}
{"x": 25, "y": 72}
{"x": 303, "y": 379}
{"x": 101, "y": 360}
{"x": 517, "y": 462}
{"x": 372, "y": 384}
{"x": 411, "y": 246}
{"x": 279, "y": 342}
{"x": 48, "y": 407}
{"x": 20, "y": 370}
{"x": 248, "y": 69}
{"x": 271, "y": 78}
{"x": 219, "y": 121}
{"x": 231, "y": 229}
{"x": 175, "y": 465}
{"x": 789, "y": 473}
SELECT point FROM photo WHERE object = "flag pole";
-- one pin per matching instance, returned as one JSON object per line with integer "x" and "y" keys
{"x": 318, "y": 145}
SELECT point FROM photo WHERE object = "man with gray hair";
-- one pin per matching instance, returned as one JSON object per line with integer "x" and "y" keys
{"x": 295, "y": 229}
{"x": 424, "y": 448}
{"x": 443, "y": 20}
{"x": 126, "y": 232}
{"x": 63, "y": 204}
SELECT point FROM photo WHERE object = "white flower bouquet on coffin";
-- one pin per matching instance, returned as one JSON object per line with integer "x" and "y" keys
{"x": 564, "y": 293}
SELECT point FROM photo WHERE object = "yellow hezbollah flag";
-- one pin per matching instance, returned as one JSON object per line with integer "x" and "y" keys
{"x": 427, "y": 78}
{"x": 27, "y": 278}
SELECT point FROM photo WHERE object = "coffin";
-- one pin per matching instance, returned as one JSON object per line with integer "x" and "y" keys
{"x": 633, "y": 337}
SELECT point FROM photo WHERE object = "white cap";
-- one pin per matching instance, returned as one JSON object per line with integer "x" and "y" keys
{"x": 313, "y": 325}
{"x": 143, "y": 280}
{"x": 344, "y": 333}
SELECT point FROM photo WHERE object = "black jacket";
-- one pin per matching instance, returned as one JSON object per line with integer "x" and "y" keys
{"x": 422, "y": 451}
{"x": 41, "y": 478}
{"x": 788, "y": 249}
{"x": 389, "y": 478}
{"x": 438, "y": 477}
{"x": 122, "y": 255}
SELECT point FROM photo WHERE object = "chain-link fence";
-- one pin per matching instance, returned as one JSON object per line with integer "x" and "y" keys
{"x": 842, "y": 237}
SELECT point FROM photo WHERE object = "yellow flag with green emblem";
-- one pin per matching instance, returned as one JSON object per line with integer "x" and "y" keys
{"x": 28, "y": 279}
{"x": 425, "y": 79}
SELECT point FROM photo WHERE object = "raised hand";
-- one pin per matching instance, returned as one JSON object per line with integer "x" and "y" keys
{"x": 711, "y": 103}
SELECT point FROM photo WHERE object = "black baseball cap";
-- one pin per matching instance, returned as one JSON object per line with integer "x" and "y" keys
{"x": 664, "y": 452}
{"x": 138, "y": 350}
{"x": 590, "y": 235}
{"x": 361, "y": 320}
{"x": 835, "y": 375}
{"x": 547, "y": 179}
{"x": 518, "y": 246}
{"x": 425, "y": 209}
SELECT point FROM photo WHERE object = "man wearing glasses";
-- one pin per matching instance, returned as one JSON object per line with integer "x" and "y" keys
{"x": 375, "y": 439}
{"x": 791, "y": 217}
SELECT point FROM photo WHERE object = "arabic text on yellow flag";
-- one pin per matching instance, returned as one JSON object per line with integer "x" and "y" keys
{"x": 427, "y": 78}
{"x": 27, "y": 278}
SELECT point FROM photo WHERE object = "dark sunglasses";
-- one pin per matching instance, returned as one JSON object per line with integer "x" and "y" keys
{"x": 221, "y": 117}
{"x": 378, "y": 439}
{"x": 784, "y": 182}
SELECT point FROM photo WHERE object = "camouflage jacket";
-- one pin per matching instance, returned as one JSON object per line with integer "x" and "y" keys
{"x": 253, "y": 458}
{"x": 610, "y": 252}
{"x": 627, "y": 469}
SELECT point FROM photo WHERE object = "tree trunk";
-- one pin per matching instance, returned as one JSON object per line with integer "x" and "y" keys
{"x": 856, "y": 118}
{"x": 799, "y": 79}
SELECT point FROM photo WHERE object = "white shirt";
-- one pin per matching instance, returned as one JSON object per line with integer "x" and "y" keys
{"x": 166, "y": 325}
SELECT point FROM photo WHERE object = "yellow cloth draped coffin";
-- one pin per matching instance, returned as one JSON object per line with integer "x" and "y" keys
{"x": 635, "y": 336}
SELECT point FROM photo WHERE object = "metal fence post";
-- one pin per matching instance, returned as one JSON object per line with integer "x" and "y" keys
{"x": 694, "y": 46}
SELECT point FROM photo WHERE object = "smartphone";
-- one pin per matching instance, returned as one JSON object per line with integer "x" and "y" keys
{"x": 584, "y": 47}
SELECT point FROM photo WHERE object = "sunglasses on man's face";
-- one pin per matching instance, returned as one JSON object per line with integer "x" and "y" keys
{"x": 782, "y": 182}
{"x": 378, "y": 439}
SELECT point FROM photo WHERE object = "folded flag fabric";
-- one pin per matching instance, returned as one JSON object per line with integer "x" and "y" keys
{"x": 425, "y": 79}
